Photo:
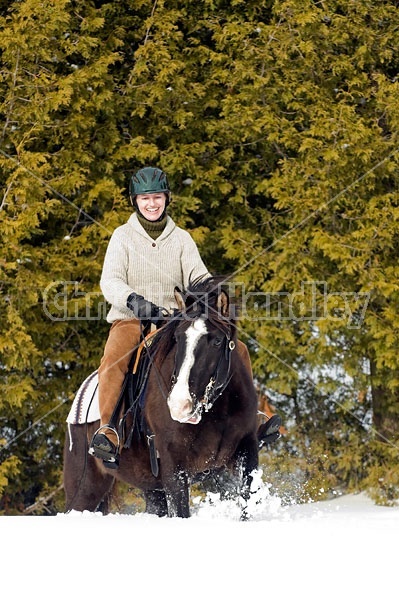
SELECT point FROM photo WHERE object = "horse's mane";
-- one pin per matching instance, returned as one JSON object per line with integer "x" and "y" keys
{"x": 201, "y": 299}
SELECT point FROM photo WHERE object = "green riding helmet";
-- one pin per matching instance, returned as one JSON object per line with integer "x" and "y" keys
{"x": 149, "y": 180}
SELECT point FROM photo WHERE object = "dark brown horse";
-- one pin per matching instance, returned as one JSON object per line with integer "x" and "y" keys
{"x": 200, "y": 405}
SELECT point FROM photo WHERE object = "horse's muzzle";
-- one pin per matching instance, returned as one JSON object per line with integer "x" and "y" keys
{"x": 182, "y": 411}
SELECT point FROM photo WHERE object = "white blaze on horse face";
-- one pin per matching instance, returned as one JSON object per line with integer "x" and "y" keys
{"x": 179, "y": 400}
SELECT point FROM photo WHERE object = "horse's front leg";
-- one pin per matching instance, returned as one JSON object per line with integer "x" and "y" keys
{"x": 247, "y": 461}
{"x": 155, "y": 502}
{"x": 177, "y": 489}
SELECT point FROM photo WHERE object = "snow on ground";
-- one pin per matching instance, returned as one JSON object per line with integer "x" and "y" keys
{"x": 343, "y": 548}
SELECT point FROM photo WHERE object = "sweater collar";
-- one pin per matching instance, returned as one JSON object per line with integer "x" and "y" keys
{"x": 153, "y": 228}
{"x": 138, "y": 228}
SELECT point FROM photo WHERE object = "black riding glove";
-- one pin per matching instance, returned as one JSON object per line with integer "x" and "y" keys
{"x": 144, "y": 309}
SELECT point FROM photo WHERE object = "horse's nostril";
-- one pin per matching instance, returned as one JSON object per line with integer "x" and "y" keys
{"x": 186, "y": 407}
{"x": 180, "y": 408}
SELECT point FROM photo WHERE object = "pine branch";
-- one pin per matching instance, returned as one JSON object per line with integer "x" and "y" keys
{"x": 41, "y": 502}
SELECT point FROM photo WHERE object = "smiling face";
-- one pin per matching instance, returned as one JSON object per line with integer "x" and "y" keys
{"x": 151, "y": 206}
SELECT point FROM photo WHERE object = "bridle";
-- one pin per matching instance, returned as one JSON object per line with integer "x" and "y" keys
{"x": 220, "y": 378}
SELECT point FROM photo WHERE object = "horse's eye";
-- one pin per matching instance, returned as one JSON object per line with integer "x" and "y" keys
{"x": 217, "y": 341}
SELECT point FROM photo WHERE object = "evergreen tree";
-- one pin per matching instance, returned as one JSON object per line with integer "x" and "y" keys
{"x": 276, "y": 122}
{"x": 57, "y": 139}
{"x": 327, "y": 271}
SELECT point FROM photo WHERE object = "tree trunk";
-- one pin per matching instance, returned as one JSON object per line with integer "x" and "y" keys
{"x": 385, "y": 407}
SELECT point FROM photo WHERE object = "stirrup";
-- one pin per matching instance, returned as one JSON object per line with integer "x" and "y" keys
{"x": 102, "y": 447}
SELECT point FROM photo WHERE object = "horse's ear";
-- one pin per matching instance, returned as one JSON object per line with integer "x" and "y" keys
{"x": 180, "y": 300}
{"x": 222, "y": 304}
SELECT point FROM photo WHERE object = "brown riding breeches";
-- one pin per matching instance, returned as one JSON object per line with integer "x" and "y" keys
{"x": 124, "y": 336}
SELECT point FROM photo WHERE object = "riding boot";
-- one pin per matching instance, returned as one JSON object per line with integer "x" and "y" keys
{"x": 269, "y": 432}
{"x": 123, "y": 338}
{"x": 102, "y": 447}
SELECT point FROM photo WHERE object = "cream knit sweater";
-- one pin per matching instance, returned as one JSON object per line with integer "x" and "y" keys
{"x": 134, "y": 262}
